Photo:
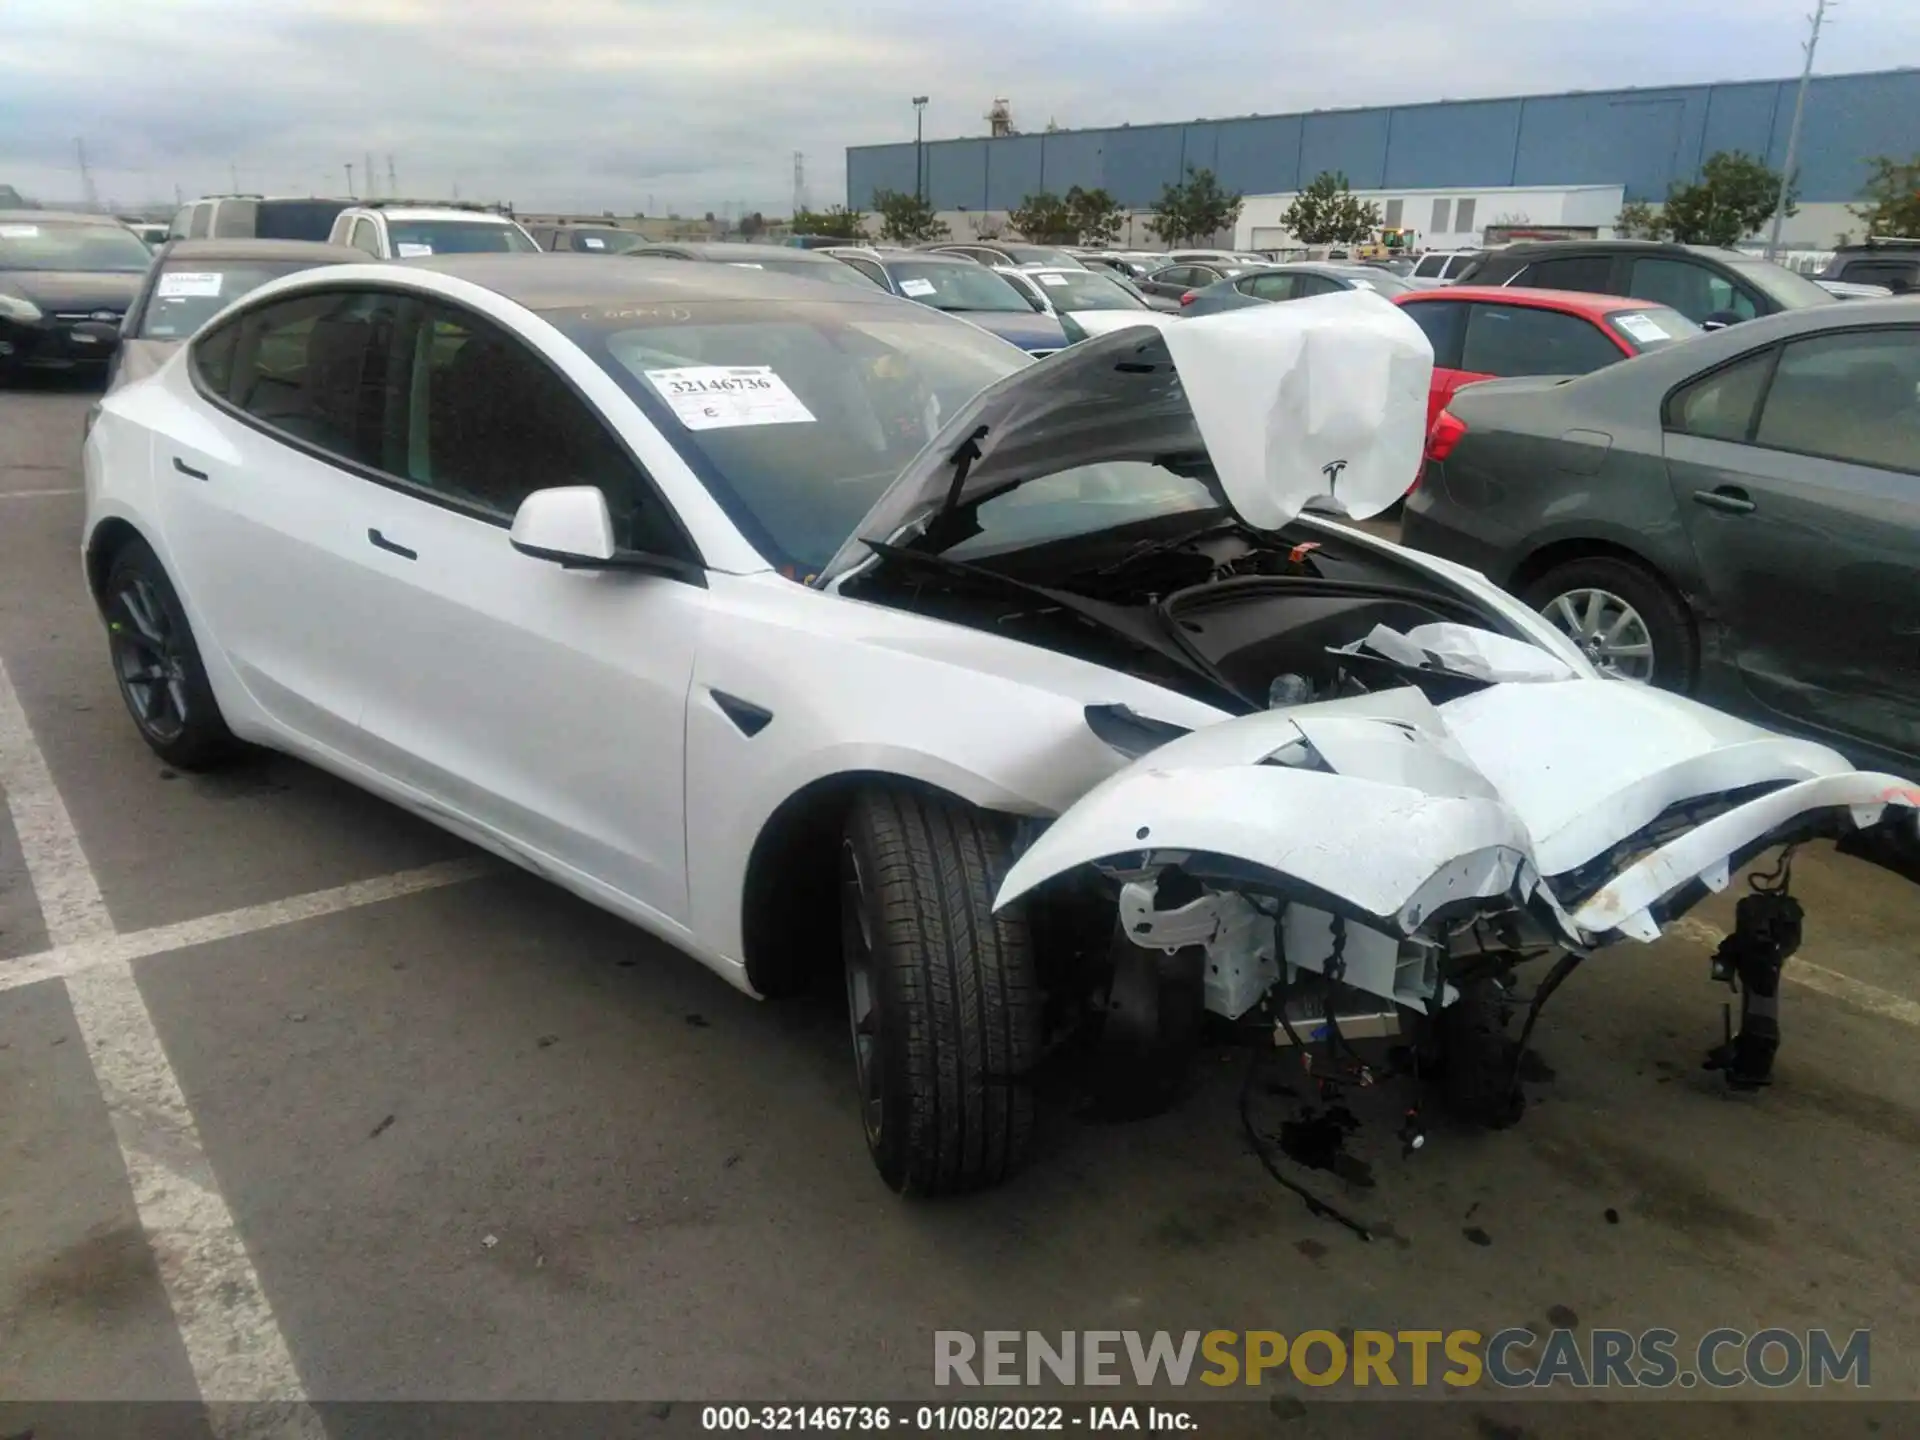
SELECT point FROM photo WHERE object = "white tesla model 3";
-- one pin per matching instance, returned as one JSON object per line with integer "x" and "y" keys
{"x": 808, "y": 627}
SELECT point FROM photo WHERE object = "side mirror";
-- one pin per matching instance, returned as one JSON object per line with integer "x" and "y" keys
{"x": 1720, "y": 320}
{"x": 569, "y": 524}
{"x": 96, "y": 336}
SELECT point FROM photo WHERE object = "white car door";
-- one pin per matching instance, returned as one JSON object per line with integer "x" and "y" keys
{"x": 544, "y": 704}
{"x": 255, "y": 498}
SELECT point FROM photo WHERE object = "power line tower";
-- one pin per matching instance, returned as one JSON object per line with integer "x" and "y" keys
{"x": 393, "y": 184}
{"x": 799, "y": 182}
{"x": 371, "y": 174}
{"x": 1815, "y": 20}
{"x": 86, "y": 176}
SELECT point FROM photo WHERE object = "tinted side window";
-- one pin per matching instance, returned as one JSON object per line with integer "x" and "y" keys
{"x": 1852, "y": 397}
{"x": 1306, "y": 285}
{"x": 1897, "y": 275}
{"x": 1720, "y": 404}
{"x": 872, "y": 271}
{"x": 489, "y": 422}
{"x": 182, "y": 222}
{"x": 314, "y": 367}
{"x": 1592, "y": 273}
{"x": 1520, "y": 340}
{"x": 365, "y": 237}
{"x": 1694, "y": 290}
{"x": 213, "y": 359}
{"x": 198, "y": 221}
{"x": 1430, "y": 266}
{"x": 1445, "y": 323}
{"x": 1268, "y": 287}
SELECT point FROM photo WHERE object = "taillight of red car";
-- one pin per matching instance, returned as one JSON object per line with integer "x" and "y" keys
{"x": 1187, "y": 299}
{"x": 1445, "y": 434}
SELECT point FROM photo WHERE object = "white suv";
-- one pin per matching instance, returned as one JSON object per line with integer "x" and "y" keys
{"x": 395, "y": 232}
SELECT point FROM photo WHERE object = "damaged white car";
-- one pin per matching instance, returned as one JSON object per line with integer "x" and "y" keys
{"x": 819, "y": 631}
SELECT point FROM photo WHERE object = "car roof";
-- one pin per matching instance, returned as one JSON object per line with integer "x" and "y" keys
{"x": 58, "y": 217}
{"x": 237, "y": 249}
{"x": 741, "y": 250}
{"x": 929, "y": 257}
{"x": 558, "y": 280}
{"x": 1531, "y": 248}
{"x": 1572, "y": 302}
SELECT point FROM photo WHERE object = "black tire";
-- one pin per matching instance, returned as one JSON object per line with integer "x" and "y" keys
{"x": 947, "y": 1026}
{"x": 1669, "y": 626}
{"x": 158, "y": 666}
{"x": 1475, "y": 1058}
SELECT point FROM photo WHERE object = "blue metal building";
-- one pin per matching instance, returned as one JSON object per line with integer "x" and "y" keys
{"x": 1643, "y": 139}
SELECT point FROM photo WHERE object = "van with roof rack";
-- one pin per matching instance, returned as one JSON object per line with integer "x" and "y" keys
{"x": 256, "y": 217}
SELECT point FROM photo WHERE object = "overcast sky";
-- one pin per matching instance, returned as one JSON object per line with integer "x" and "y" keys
{"x": 697, "y": 105}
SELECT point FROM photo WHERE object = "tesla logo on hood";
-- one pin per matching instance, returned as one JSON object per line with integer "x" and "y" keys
{"x": 1332, "y": 471}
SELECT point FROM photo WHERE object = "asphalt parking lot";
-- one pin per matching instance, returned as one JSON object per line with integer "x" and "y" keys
{"x": 299, "y": 1097}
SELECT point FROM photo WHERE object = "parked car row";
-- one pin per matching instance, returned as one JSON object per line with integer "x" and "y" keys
{"x": 929, "y": 630}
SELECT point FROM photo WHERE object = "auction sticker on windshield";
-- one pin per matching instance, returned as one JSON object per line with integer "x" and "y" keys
{"x": 916, "y": 287}
{"x": 720, "y": 397}
{"x": 18, "y": 232}
{"x": 1055, "y": 280}
{"x": 188, "y": 284}
{"x": 1646, "y": 331}
{"x": 412, "y": 249}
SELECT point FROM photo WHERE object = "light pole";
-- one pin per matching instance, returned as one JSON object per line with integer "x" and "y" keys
{"x": 919, "y": 148}
{"x": 1793, "y": 131}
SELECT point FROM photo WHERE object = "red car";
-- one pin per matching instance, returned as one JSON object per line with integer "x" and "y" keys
{"x": 1488, "y": 332}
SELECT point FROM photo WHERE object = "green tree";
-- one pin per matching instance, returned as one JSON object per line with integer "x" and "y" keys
{"x": 1327, "y": 212}
{"x": 1097, "y": 216}
{"x": 1892, "y": 193}
{"x": 1733, "y": 198}
{"x": 1044, "y": 219}
{"x": 753, "y": 225}
{"x": 1195, "y": 210}
{"x": 1639, "y": 221}
{"x": 907, "y": 219}
{"x": 836, "y": 221}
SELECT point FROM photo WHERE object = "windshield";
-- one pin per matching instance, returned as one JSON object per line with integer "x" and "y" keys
{"x": 413, "y": 238}
{"x": 1652, "y": 326}
{"x": 62, "y": 245}
{"x": 613, "y": 242}
{"x": 1083, "y": 500}
{"x": 1042, "y": 255}
{"x": 795, "y": 414}
{"x": 830, "y": 271}
{"x": 1380, "y": 280}
{"x": 1790, "y": 289}
{"x": 956, "y": 285}
{"x": 188, "y": 293}
{"x": 1083, "y": 290}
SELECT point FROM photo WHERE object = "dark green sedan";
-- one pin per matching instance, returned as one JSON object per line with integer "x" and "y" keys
{"x": 1736, "y": 516}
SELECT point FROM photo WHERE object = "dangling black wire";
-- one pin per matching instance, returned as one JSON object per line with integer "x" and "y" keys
{"x": 1778, "y": 878}
{"x": 1315, "y": 1205}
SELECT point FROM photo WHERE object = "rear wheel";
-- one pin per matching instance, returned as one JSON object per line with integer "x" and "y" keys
{"x": 1626, "y": 619}
{"x": 942, "y": 995}
{"x": 157, "y": 663}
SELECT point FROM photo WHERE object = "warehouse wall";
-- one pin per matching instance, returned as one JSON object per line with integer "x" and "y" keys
{"x": 1643, "y": 139}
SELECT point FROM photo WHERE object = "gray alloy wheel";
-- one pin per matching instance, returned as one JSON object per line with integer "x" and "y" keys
{"x": 1611, "y": 632}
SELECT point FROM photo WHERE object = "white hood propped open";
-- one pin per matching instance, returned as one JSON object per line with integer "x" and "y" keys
{"x": 1322, "y": 399}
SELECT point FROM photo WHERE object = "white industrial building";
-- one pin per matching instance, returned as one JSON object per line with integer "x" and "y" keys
{"x": 1449, "y": 219}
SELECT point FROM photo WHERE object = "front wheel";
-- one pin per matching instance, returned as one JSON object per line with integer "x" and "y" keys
{"x": 942, "y": 994}
{"x": 157, "y": 663}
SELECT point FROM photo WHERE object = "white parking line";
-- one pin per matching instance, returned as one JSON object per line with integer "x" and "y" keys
{"x": 232, "y": 1341}
{"x": 66, "y": 961}
{"x": 38, "y": 494}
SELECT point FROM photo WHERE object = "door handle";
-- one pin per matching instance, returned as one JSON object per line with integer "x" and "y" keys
{"x": 382, "y": 543}
{"x": 185, "y": 469}
{"x": 1729, "y": 498}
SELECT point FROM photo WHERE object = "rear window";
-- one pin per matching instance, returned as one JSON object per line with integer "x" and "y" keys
{"x": 188, "y": 293}
{"x": 457, "y": 237}
{"x": 296, "y": 219}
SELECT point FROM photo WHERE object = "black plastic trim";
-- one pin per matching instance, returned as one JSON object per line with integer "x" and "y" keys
{"x": 380, "y": 542}
{"x": 188, "y": 470}
{"x": 749, "y": 719}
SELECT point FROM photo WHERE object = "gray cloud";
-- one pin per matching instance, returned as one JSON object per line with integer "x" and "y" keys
{"x": 600, "y": 104}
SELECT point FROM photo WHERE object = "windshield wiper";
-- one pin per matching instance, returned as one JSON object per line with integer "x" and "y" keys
{"x": 1169, "y": 542}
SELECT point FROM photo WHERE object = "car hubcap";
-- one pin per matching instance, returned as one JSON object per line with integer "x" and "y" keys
{"x": 146, "y": 655}
{"x": 1608, "y": 629}
{"x": 856, "y": 943}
